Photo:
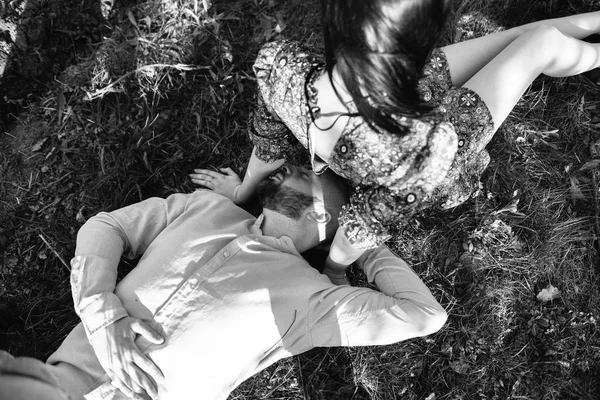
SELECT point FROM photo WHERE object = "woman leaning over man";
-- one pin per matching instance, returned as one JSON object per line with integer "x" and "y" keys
{"x": 404, "y": 122}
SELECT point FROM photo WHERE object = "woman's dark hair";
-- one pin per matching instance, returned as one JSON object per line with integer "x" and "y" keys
{"x": 380, "y": 48}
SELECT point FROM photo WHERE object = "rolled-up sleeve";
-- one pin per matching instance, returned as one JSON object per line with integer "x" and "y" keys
{"x": 101, "y": 242}
{"x": 403, "y": 307}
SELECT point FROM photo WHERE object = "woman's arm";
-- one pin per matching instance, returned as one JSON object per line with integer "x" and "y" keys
{"x": 229, "y": 184}
{"x": 257, "y": 171}
{"x": 273, "y": 142}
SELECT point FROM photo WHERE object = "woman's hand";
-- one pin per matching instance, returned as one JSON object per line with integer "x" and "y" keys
{"x": 130, "y": 370}
{"x": 226, "y": 182}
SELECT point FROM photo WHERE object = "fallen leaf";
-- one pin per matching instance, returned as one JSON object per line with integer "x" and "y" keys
{"x": 548, "y": 294}
{"x": 38, "y": 145}
{"x": 576, "y": 193}
{"x": 460, "y": 367}
{"x": 132, "y": 19}
{"x": 590, "y": 165}
{"x": 79, "y": 217}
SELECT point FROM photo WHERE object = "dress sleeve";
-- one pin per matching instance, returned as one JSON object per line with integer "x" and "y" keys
{"x": 374, "y": 213}
{"x": 435, "y": 80}
{"x": 399, "y": 177}
{"x": 270, "y": 136}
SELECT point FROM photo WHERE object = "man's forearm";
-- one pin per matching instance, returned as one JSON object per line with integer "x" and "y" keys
{"x": 395, "y": 278}
{"x": 94, "y": 274}
{"x": 100, "y": 244}
{"x": 401, "y": 309}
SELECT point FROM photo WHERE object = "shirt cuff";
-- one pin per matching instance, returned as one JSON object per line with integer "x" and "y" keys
{"x": 99, "y": 311}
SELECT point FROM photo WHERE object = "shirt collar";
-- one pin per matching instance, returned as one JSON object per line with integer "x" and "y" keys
{"x": 285, "y": 242}
{"x": 256, "y": 227}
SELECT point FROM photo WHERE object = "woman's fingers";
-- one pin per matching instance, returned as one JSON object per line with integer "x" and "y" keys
{"x": 203, "y": 177}
{"x": 224, "y": 182}
{"x": 213, "y": 179}
{"x": 228, "y": 171}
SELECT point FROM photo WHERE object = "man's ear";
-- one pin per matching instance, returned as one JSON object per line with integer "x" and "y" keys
{"x": 321, "y": 217}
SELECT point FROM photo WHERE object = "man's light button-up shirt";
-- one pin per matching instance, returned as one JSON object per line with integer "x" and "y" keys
{"x": 228, "y": 300}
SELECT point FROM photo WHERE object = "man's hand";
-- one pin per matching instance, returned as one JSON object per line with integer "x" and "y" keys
{"x": 225, "y": 183}
{"x": 130, "y": 370}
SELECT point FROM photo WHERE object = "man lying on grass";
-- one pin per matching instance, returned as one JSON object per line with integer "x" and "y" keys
{"x": 217, "y": 296}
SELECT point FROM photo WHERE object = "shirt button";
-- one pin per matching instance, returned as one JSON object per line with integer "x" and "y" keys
{"x": 226, "y": 254}
{"x": 193, "y": 281}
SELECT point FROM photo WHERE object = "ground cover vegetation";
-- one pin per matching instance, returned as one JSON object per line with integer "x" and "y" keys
{"x": 105, "y": 103}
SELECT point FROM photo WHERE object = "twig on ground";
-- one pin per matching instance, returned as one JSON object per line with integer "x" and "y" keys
{"x": 62, "y": 260}
{"x": 302, "y": 386}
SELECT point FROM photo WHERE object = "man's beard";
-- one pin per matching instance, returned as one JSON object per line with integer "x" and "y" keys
{"x": 285, "y": 200}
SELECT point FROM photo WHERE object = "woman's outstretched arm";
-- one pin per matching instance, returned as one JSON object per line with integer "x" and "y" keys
{"x": 229, "y": 184}
{"x": 257, "y": 171}
{"x": 466, "y": 58}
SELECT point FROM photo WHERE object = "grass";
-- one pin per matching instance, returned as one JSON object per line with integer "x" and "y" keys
{"x": 153, "y": 89}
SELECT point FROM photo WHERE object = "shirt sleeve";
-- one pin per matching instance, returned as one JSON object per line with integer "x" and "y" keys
{"x": 101, "y": 242}
{"x": 403, "y": 307}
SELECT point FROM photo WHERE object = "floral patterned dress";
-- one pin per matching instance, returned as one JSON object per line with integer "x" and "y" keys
{"x": 437, "y": 164}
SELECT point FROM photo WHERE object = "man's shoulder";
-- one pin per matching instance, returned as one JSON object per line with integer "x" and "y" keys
{"x": 208, "y": 199}
{"x": 206, "y": 195}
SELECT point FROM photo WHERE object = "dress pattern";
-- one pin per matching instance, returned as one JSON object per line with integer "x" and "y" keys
{"x": 393, "y": 177}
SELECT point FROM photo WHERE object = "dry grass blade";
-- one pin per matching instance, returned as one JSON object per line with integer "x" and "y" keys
{"x": 110, "y": 87}
{"x": 62, "y": 260}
